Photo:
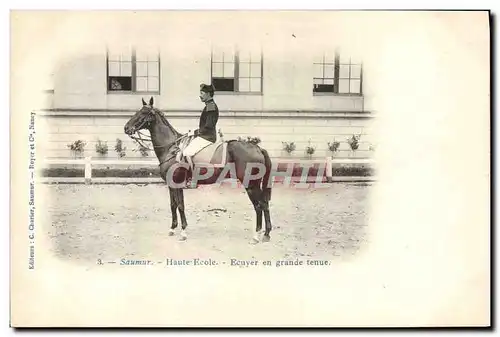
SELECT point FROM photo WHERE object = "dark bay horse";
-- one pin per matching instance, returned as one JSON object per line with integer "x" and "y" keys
{"x": 165, "y": 141}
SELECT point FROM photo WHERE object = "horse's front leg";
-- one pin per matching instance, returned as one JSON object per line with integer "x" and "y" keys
{"x": 173, "y": 209}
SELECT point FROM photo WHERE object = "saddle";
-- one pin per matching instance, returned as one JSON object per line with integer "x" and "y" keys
{"x": 214, "y": 154}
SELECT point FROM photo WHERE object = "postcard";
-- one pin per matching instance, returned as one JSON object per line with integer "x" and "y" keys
{"x": 250, "y": 168}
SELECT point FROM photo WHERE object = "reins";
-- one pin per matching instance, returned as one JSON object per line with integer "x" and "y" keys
{"x": 140, "y": 140}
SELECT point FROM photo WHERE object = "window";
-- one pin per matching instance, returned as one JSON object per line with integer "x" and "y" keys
{"x": 133, "y": 70}
{"x": 237, "y": 71}
{"x": 338, "y": 74}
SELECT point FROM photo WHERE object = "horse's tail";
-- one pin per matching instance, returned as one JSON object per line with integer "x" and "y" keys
{"x": 266, "y": 188}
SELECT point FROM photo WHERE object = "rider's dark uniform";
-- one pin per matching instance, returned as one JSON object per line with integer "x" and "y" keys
{"x": 208, "y": 121}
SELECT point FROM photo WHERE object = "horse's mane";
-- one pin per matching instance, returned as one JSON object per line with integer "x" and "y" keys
{"x": 165, "y": 120}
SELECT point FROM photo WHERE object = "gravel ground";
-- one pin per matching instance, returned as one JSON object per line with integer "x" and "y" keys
{"x": 112, "y": 222}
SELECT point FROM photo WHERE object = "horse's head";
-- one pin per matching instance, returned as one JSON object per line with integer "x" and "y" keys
{"x": 141, "y": 119}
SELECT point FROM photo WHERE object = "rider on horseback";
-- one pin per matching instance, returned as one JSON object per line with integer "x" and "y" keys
{"x": 206, "y": 133}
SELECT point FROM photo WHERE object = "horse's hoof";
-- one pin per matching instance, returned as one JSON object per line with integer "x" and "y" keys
{"x": 183, "y": 238}
{"x": 171, "y": 233}
{"x": 266, "y": 238}
{"x": 254, "y": 241}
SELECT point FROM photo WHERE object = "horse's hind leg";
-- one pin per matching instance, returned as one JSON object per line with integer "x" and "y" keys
{"x": 180, "y": 206}
{"x": 267, "y": 216}
{"x": 255, "y": 193}
{"x": 173, "y": 209}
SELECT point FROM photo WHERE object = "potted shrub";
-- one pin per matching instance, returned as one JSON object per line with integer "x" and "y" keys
{"x": 101, "y": 148}
{"x": 333, "y": 147}
{"x": 77, "y": 148}
{"x": 251, "y": 140}
{"x": 288, "y": 147}
{"x": 144, "y": 151}
{"x": 120, "y": 149}
{"x": 353, "y": 142}
{"x": 310, "y": 150}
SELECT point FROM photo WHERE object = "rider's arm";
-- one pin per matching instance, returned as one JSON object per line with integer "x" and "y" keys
{"x": 211, "y": 120}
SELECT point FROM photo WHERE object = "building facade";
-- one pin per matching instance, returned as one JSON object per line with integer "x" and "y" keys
{"x": 308, "y": 99}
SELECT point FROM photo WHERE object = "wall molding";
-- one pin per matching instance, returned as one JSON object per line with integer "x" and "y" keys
{"x": 191, "y": 113}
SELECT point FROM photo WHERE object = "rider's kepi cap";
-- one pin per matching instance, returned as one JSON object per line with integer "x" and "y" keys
{"x": 207, "y": 88}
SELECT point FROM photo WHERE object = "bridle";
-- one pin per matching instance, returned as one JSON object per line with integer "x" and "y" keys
{"x": 141, "y": 138}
